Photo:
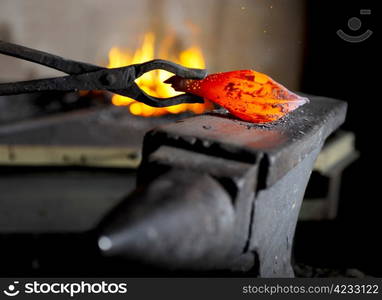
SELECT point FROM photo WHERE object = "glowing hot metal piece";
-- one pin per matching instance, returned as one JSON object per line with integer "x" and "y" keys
{"x": 247, "y": 94}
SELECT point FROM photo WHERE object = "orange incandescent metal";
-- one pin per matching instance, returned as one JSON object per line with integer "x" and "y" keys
{"x": 247, "y": 94}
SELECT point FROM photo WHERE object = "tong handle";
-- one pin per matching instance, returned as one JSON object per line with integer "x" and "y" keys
{"x": 104, "y": 79}
{"x": 84, "y": 76}
{"x": 43, "y": 58}
{"x": 61, "y": 84}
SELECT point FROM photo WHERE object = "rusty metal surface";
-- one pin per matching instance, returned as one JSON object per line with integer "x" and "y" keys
{"x": 263, "y": 170}
{"x": 238, "y": 179}
{"x": 275, "y": 216}
{"x": 214, "y": 192}
{"x": 154, "y": 226}
{"x": 282, "y": 144}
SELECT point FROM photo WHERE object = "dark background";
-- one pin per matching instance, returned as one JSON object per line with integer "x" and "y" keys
{"x": 347, "y": 71}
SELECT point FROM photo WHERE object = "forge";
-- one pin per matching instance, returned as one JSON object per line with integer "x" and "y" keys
{"x": 101, "y": 176}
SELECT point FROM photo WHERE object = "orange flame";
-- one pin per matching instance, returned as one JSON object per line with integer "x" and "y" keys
{"x": 152, "y": 82}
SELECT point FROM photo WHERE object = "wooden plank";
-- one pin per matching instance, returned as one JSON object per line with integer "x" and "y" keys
{"x": 32, "y": 155}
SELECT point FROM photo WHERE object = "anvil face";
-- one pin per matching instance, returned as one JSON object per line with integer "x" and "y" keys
{"x": 219, "y": 193}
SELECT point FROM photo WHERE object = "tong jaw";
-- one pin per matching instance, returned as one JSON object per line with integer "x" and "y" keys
{"x": 189, "y": 73}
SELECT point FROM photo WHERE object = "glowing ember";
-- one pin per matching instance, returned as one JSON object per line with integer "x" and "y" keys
{"x": 247, "y": 94}
{"x": 152, "y": 82}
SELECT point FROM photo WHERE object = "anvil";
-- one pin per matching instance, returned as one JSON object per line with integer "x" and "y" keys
{"x": 217, "y": 193}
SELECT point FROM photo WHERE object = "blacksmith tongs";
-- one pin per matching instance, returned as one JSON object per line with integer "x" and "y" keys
{"x": 84, "y": 76}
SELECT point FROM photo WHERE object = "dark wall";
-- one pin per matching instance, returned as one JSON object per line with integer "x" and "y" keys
{"x": 349, "y": 71}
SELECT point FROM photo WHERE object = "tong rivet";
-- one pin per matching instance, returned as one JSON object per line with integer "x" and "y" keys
{"x": 108, "y": 79}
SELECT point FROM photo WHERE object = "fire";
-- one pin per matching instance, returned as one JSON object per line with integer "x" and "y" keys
{"x": 152, "y": 82}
